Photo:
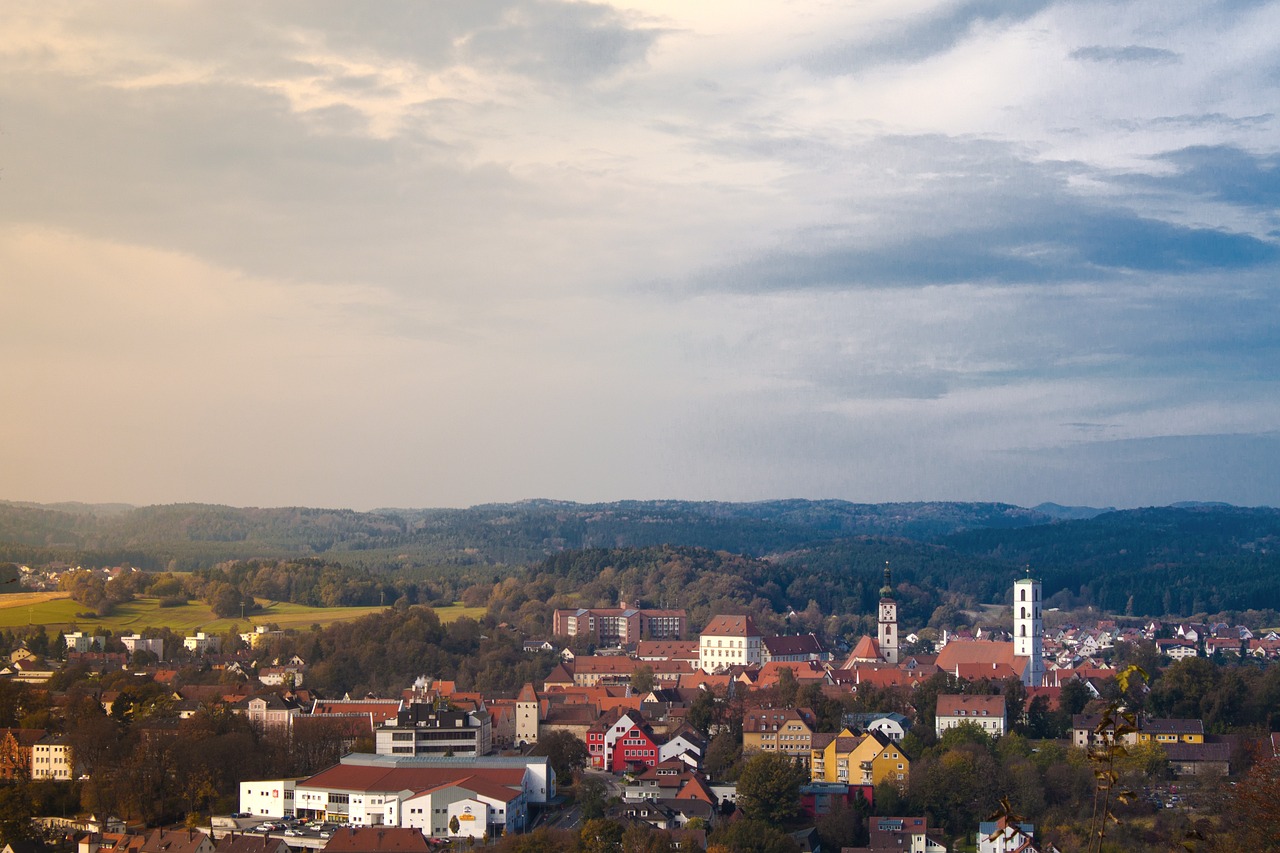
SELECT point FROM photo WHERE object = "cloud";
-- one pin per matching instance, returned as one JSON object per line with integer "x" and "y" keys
{"x": 1129, "y": 53}
{"x": 913, "y": 39}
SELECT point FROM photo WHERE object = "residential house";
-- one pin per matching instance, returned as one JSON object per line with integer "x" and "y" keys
{"x": 785, "y": 730}
{"x": 377, "y": 839}
{"x": 619, "y": 742}
{"x": 1002, "y": 836}
{"x": 908, "y": 834}
{"x": 176, "y": 841}
{"x": 850, "y": 759}
{"x": 986, "y": 712}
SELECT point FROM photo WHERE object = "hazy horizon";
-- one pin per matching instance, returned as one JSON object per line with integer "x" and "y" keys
{"x": 443, "y": 254}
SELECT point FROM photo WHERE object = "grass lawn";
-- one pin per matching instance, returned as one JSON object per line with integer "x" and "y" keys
{"x": 56, "y": 610}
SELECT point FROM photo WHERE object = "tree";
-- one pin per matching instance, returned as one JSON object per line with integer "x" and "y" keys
{"x": 568, "y": 754}
{"x": 769, "y": 787}
{"x": 751, "y": 836}
{"x": 454, "y": 825}
{"x": 702, "y": 713}
{"x": 600, "y": 836}
{"x": 1256, "y": 814}
{"x": 642, "y": 678}
{"x": 788, "y": 686}
{"x": 591, "y": 796}
{"x": 723, "y": 754}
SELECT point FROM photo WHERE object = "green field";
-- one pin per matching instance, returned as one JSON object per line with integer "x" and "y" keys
{"x": 146, "y": 613}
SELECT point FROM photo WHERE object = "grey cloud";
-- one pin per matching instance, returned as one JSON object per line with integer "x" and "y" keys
{"x": 1037, "y": 243}
{"x": 1128, "y": 53}
{"x": 921, "y": 37}
{"x": 1223, "y": 172}
{"x": 575, "y": 42}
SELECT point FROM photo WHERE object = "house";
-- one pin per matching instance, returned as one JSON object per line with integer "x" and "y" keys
{"x": 1001, "y": 836}
{"x": 1198, "y": 759}
{"x": 794, "y": 649}
{"x": 889, "y": 723}
{"x": 784, "y": 730}
{"x": 619, "y": 742}
{"x": 729, "y": 641}
{"x": 1087, "y": 730}
{"x": 908, "y": 834}
{"x": 670, "y": 814}
{"x": 850, "y": 759}
{"x": 268, "y": 712}
{"x": 986, "y": 712}
{"x": 819, "y": 798}
{"x": 176, "y": 841}
{"x": 281, "y": 676}
{"x": 377, "y": 839}
{"x": 51, "y": 758}
{"x": 1177, "y": 649}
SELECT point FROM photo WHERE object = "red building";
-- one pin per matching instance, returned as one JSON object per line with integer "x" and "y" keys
{"x": 619, "y": 742}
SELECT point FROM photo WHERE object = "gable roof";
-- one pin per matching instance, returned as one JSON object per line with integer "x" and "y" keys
{"x": 377, "y": 839}
{"x": 731, "y": 626}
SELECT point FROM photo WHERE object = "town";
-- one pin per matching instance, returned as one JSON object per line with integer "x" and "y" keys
{"x": 644, "y": 727}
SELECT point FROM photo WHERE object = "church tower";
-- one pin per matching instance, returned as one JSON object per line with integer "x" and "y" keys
{"x": 888, "y": 618}
{"x": 1028, "y": 629}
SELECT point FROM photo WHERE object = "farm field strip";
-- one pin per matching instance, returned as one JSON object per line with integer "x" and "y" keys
{"x": 55, "y": 609}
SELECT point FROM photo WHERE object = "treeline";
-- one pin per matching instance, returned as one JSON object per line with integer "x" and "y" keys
{"x": 189, "y": 536}
{"x": 235, "y": 589}
{"x": 1146, "y": 562}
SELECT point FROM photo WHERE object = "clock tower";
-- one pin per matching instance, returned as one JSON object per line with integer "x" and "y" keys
{"x": 888, "y": 619}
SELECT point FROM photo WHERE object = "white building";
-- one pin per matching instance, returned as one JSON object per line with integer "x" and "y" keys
{"x": 729, "y": 641}
{"x": 419, "y": 792}
{"x": 887, "y": 617}
{"x": 136, "y": 642}
{"x": 985, "y": 712}
{"x": 202, "y": 642}
{"x": 51, "y": 758}
{"x": 81, "y": 642}
{"x": 1028, "y": 630}
{"x": 271, "y": 798}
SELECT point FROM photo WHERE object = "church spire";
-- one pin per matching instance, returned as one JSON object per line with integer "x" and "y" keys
{"x": 886, "y": 591}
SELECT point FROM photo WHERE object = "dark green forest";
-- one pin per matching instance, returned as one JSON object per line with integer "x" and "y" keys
{"x": 1169, "y": 561}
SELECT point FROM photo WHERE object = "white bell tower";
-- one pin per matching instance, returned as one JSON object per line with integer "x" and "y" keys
{"x": 1028, "y": 629}
{"x": 888, "y": 619}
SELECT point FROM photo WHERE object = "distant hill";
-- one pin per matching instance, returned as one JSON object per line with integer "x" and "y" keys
{"x": 1073, "y": 513}
{"x": 1153, "y": 561}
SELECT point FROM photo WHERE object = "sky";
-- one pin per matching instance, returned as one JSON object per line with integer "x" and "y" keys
{"x": 445, "y": 253}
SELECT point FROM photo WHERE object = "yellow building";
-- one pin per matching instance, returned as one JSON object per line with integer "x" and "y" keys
{"x": 779, "y": 730}
{"x": 1170, "y": 731}
{"x": 866, "y": 759}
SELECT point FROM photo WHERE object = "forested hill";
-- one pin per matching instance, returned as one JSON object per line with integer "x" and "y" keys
{"x": 189, "y": 536}
{"x": 1178, "y": 560}
{"x": 1172, "y": 560}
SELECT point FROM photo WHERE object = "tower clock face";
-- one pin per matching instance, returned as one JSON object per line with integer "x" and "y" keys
{"x": 886, "y": 612}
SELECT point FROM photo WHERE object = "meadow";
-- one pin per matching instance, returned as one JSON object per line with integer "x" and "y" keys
{"x": 57, "y": 610}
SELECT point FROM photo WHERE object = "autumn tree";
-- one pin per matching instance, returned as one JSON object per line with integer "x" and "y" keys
{"x": 769, "y": 787}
